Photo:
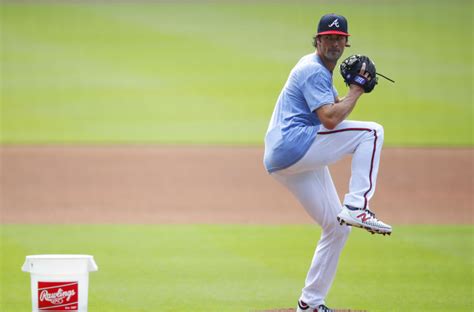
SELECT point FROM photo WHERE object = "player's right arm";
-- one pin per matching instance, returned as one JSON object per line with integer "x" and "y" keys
{"x": 332, "y": 114}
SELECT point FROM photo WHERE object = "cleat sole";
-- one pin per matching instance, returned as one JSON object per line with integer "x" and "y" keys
{"x": 368, "y": 229}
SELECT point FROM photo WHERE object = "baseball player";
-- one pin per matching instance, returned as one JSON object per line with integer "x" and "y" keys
{"x": 308, "y": 131}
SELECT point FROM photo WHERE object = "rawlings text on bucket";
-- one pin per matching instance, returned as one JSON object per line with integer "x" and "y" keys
{"x": 55, "y": 296}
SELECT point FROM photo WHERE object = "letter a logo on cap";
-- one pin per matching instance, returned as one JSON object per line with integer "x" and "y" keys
{"x": 334, "y": 23}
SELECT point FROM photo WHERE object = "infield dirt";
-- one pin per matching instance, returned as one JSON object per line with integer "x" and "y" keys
{"x": 224, "y": 185}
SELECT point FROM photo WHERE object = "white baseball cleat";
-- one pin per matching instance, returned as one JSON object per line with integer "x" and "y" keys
{"x": 363, "y": 218}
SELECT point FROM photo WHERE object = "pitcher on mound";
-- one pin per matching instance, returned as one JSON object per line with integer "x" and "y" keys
{"x": 308, "y": 131}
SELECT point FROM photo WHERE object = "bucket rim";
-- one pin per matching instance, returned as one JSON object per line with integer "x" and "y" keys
{"x": 55, "y": 258}
{"x": 59, "y": 257}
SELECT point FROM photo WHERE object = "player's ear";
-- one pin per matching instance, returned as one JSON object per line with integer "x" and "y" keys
{"x": 347, "y": 42}
{"x": 317, "y": 40}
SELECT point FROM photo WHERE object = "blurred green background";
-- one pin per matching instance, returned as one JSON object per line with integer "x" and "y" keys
{"x": 210, "y": 72}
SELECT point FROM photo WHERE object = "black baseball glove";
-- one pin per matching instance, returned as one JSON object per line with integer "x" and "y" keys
{"x": 350, "y": 71}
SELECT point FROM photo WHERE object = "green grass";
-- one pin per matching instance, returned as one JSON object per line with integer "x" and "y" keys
{"x": 242, "y": 268}
{"x": 209, "y": 72}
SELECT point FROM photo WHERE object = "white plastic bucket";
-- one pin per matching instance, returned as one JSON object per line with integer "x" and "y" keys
{"x": 59, "y": 282}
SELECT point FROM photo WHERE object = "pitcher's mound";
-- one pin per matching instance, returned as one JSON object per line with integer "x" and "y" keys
{"x": 293, "y": 310}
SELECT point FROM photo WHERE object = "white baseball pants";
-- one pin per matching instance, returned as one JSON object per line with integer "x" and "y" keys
{"x": 310, "y": 182}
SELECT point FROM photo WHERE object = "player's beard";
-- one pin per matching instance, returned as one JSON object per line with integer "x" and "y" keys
{"x": 333, "y": 54}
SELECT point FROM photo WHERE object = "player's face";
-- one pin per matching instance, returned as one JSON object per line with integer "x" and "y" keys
{"x": 332, "y": 46}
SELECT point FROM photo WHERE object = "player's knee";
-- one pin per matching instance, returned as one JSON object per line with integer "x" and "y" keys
{"x": 377, "y": 131}
{"x": 378, "y": 128}
{"x": 343, "y": 231}
{"x": 338, "y": 231}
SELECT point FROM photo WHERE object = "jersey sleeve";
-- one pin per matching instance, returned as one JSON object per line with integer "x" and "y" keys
{"x": 335, "y": 91}
{"x": 318, "y": 90}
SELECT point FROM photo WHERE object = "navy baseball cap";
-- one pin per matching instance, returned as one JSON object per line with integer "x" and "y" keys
{"x": 333, "y": 24}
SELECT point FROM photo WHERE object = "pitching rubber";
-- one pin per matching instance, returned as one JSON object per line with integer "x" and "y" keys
{"x": 293, "y": 310}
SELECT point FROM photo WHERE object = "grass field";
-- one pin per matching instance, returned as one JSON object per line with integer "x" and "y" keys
{"x": 162, "y": 268}
{"x": 210, "y": 72}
